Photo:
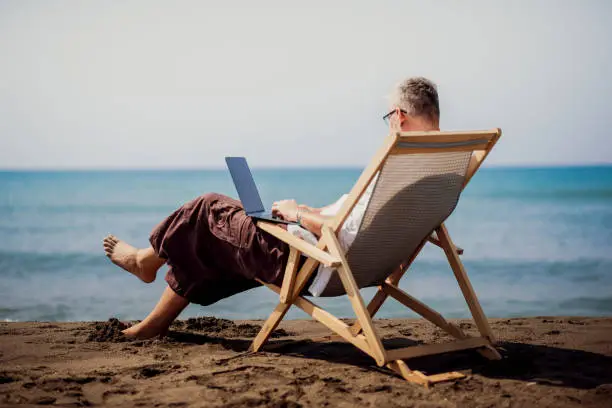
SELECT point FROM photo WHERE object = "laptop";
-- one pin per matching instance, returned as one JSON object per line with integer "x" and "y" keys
{"x": 247, "y": 191}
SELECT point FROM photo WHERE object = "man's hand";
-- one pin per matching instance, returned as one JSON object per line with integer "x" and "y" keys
{"x": 286, "y": 209}
{"x": 310, "y": 218}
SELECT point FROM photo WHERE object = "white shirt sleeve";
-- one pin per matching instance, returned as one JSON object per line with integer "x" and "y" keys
{"x": 351, "y": 225}
{"x": 333, "y": 209}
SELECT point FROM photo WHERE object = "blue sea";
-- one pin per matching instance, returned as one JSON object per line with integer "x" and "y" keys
{"x": 538, "y": 241}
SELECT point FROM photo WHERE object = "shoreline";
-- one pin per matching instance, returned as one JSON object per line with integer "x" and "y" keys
{"x": 548, "y": 361}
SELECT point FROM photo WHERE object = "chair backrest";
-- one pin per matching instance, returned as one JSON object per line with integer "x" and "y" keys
{"x": 420, "y": 179}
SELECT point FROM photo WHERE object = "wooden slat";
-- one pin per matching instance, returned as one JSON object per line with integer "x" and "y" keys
{"x": 436, "y": 318}
{"x": 422, "y": 309}
{"x": 450, "y": 376}
{"x": 418, "y": 377}
{"x": 464, "y": 134}
{"x": 329, "y": 320}
{"x": 413, "y": 376}
{"x": 301, "y": 245}
{"x": 270, "y": 325}
{"x": 490, "y": 353}
{"x": 419, "y": 351}
{"x": 482, "y": 157}
{"x": 464, "y": 283}
{"x": 373, "y": 307}
{"x": 416, "y": 150}
{"x": 307, "y": 270}
{"x": 352, "y": 291}
{"x": 281, "y": 309}
{"x": 290, "y": 276}
{"x": 334, "y": 324}
{"x": 445, "y": 138}
{"x": 428, "y": 313}
{"x": 437, "y": 243}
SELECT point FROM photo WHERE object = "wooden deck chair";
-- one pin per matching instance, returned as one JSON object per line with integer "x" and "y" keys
{"x": 420, "y": 178}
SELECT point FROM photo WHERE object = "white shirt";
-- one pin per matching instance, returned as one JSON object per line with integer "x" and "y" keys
{"x": 346, "y": 235}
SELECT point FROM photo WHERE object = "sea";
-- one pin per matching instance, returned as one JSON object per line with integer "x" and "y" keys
{"x": 537, "y": 241}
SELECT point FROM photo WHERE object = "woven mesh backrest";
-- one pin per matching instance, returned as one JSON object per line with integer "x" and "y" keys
{"x": 414, "y": 194}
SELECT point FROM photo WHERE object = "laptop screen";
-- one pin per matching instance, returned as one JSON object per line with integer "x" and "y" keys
{"x": 245, "y": 185}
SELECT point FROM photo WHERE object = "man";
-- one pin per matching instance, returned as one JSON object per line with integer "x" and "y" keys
{"x": 214, "y": 250}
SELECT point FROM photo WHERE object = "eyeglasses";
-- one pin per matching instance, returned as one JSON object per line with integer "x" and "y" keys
{"x": 387, "y": 117}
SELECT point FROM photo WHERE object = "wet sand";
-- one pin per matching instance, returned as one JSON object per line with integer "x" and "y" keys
{"x": 204, "y": 362}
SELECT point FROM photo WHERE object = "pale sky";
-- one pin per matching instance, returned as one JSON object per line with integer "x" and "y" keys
{"x": 181, "y": 84}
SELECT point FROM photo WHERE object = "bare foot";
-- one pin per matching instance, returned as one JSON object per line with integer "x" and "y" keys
{"x": 141, "y": 262}
{"x": 140, "y": 332}
{"x": 161, "y": 317}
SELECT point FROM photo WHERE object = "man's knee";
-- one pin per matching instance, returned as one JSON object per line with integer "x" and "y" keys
{"x": 214, "y": 200}
{"x": 211, "y": 197}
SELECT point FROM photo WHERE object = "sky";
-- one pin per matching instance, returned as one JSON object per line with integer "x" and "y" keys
{"x": 182, "y": 84}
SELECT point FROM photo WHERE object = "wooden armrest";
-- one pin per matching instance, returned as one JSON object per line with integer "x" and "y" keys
{"x": 433, "y": 238}
{"x": 304, "y": 247}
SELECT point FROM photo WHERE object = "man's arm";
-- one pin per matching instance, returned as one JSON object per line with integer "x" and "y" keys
{"x": 313, "y": 222}
{"x": 313, "y": 210}
{"x": 319, "y": 210}
{"x": 290, "y": 211}
{"x": 307, "y": 208}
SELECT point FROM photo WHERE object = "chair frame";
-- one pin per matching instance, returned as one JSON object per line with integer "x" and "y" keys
{"x": 328, "y": 251}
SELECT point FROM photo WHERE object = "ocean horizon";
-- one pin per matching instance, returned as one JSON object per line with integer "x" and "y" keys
{"x": 72, "y": 169}
{"x": 536, "y": 239}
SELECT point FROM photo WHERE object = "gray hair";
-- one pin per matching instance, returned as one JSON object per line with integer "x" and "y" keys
{"x": 419, "y": 97}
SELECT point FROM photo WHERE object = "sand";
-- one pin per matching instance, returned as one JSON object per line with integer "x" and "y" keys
{"x": 204, "y": 362}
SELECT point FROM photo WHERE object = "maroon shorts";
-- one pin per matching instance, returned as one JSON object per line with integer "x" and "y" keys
{"x": 214, "y": 250}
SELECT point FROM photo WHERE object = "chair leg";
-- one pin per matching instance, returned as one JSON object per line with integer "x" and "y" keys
{"x": 281, "y": 309}
{"x": 417, "y": 377}
{"x": 490, "y": 353}
{"x": 436, "y": 318}
{"x": 290, "y": 276}
{"x": 373, "y": 307}
{"x": 270, "y": 325}
{"x": 423, "y": 310}
{"x": 352, "y": 291}
{"x": 464, "y": 283}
